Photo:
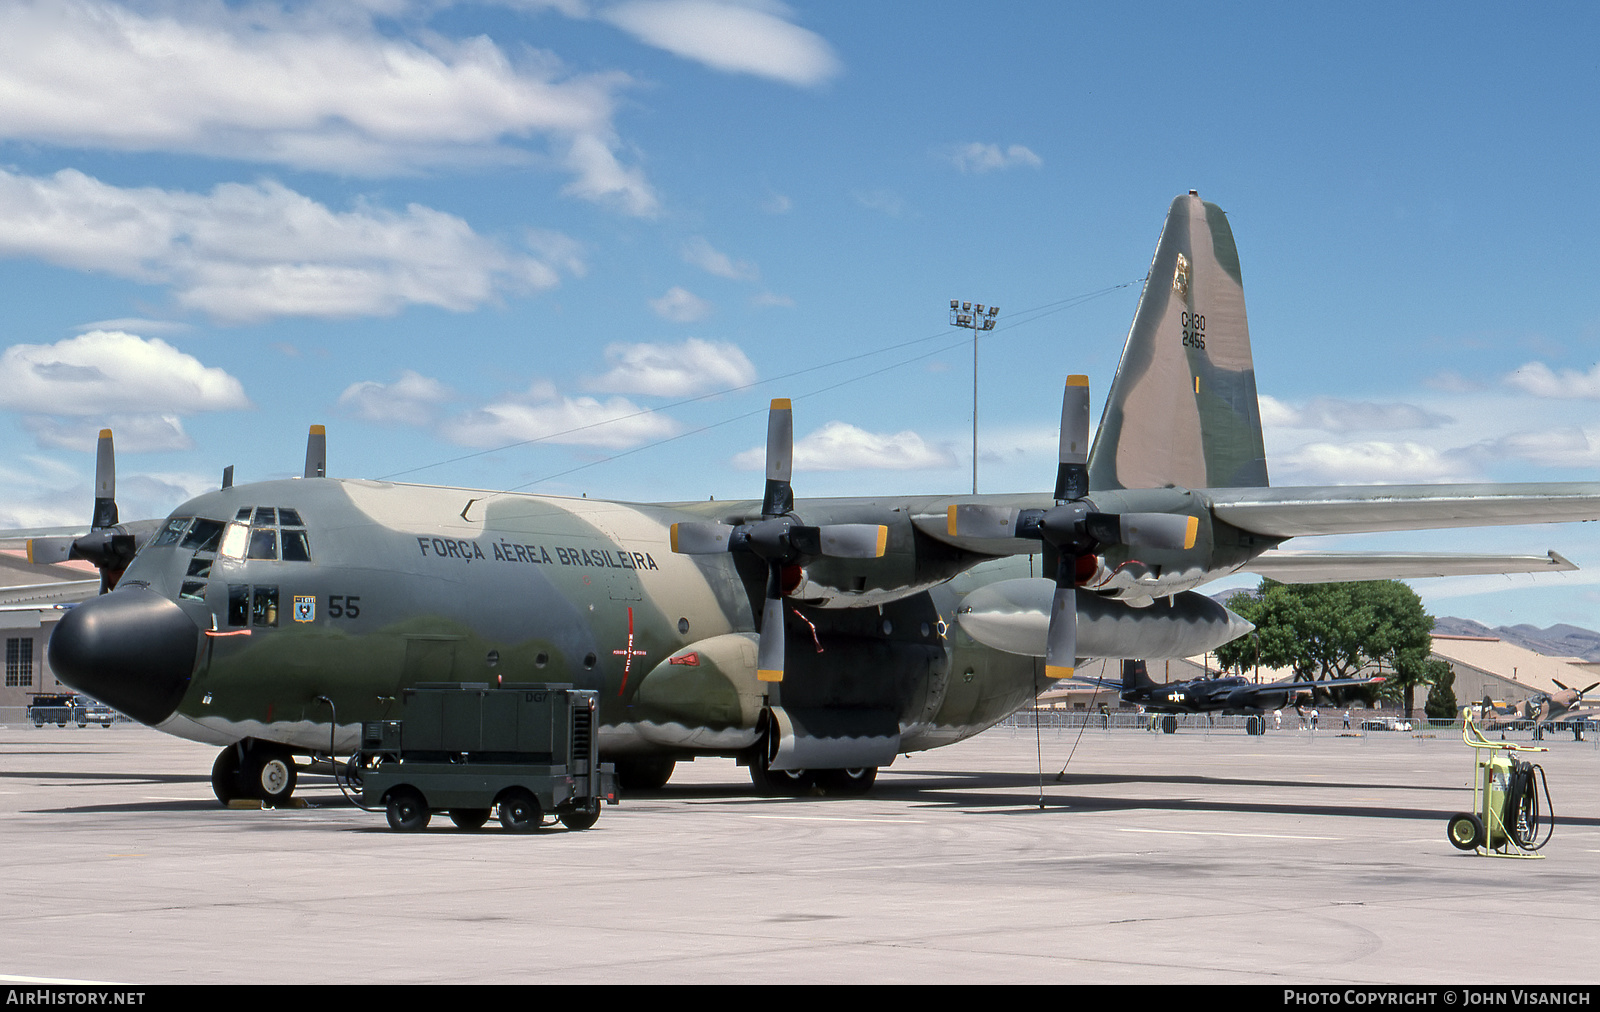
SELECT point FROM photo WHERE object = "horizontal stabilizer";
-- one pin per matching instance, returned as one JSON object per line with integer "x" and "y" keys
{"x": 1357, "y": 509}
{"x": 1344, "y": 567}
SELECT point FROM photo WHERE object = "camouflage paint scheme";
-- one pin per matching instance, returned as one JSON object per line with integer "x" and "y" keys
{"x": 411, "y": 583}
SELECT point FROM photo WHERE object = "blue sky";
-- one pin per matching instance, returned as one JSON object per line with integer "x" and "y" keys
{"x": 444, "y": 230}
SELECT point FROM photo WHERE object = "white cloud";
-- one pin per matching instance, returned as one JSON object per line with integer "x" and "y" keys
{"x": 699, "y": 252}
{"x": 840, "y": 446}
{"x": 308, "y": 88}
{"x": 978, "y": 158}
{"x": 46, "y": 493}
{"x": 1369, "y": 462}
{"x": 131, "y": 433}
{"x": 737, "y": 38}
{"x": 681, "y": 306}
{"x": 413, "y": 399}
{"x": 1539, "y": 380}
{"x": 578, "y": 421}
{"x": 885, "y": 201}
{"x": 249, "y": 252}
{"x": 1569, "y": 446}
{"x": 674, "y": 370}
{"x": 110, "y": 372}
{"x": 1334, "y": 415}
{"x": 768, "y": 300}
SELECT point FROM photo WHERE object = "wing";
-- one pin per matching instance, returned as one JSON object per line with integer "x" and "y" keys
{"x": 1338, "y": 567}
{"x": 1356, "y": 509}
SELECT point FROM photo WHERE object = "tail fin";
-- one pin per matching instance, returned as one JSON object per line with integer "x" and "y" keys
{"x": 1182, "y": 409}
{"x": 1135, "y": 677}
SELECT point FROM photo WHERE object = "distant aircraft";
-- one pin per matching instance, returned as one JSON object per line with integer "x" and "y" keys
{"x": 1223, "y": 694}
{"x": 814, "y": 640}
{"x": 1545, "y": 711}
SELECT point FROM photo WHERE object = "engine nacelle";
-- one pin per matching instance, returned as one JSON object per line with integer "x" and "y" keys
{"x": 1014, "y": 616}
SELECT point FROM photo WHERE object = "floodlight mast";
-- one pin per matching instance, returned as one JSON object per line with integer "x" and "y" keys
{"x": 974, "y": 317}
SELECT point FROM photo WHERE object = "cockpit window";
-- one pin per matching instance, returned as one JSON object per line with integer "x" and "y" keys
{"x": 203, "y": 535}
{"x": 269, "y": 528}
{"x": 295, "y": 546}
{"x": 172, "y": 531}
{"x": 263, "y": 544}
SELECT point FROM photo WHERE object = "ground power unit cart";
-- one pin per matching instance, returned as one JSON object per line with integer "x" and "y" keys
{"x": 524, "y": 751}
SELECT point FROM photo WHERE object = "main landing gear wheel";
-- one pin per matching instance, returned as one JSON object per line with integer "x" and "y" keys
{"x": 1465, "y": 831}
{"x": 469, "y": 818}
{"x": 1169, "y": 723}
{"x": 644, "y": 774}
{"x": 781, "y": 783}
{"x": 520, "y": 811}
{"x": 581, "y": 818}
{"x": 849, "y": 781}
{"x": 1255, "y": 725}
{"x": 407, "y": 811}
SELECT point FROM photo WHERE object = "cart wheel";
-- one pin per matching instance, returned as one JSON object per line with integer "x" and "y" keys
{"x": 520, "y": 811}
{"x": 469, "y": 818}
{"x": 407, "y": 811}
{"x": 581, "y": 818}
{"x": 1465, "y": 831}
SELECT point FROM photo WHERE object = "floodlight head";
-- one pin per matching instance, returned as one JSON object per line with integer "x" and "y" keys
{"x": 955, "y": 303}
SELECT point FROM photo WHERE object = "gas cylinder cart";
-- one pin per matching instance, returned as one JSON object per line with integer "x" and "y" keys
{"x": 1505, "y": 818}
{"x": 524, "y": 751}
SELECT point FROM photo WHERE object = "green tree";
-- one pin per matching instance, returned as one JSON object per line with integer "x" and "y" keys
{"x": 1441, "y": 702}
{"x": 1334, "y": 630}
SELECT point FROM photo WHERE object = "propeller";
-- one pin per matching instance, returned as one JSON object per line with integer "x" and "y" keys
{"x": 1073, "y": 527}
{"x": 778, "y": 538}
{"x": 107, "y": 546}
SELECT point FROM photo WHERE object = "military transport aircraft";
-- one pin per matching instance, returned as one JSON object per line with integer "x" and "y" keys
{"x": 1222, "y": 694}
{"x": 814, "y": 639}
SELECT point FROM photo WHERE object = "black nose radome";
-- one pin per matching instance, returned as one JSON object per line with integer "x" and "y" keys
{"x": 132, "y": 649}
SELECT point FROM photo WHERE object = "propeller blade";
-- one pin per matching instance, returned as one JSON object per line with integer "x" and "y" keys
{"x": 1072, "y": 474}
{"x": 854, "y": 541}
{"x": 105, "y": 482}
{"x": 971, "y": 520}
{"x": 49, "y": 551}
{"x": 707, "y": 538}
{"x": 779, "y": 498}
{"x": 769, "y": 652}
{"x": 317, "y": 452}
{"x": 1061, "y": 642}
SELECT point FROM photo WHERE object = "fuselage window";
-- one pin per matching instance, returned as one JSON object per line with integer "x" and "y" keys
{"x": 238, "y": 604}
{"x": 264, "y": 608}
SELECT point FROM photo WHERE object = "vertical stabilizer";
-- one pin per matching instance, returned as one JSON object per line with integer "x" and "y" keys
{"x": 1182, "y": 409}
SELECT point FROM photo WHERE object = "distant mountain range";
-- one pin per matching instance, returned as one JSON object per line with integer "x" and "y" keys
{"x": 1557, "y": 641}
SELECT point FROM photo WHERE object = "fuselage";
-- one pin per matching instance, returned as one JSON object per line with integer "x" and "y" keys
{"x": 292, "y": 611}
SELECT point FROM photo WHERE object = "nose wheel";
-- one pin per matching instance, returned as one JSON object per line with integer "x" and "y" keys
{"x": 254, "y": 770}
